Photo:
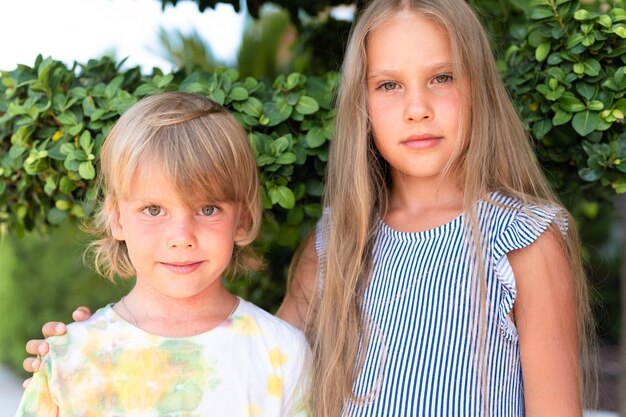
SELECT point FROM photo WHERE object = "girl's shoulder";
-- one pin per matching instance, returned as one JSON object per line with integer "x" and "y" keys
{"x": 508, "y": 223}
{"x": 503, "y": 216}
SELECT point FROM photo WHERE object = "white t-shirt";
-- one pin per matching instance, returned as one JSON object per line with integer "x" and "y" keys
{"x": 252, "y": 365}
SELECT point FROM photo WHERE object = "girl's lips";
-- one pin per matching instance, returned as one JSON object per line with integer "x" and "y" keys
{"x": 184, "y": 268}
{"x": 422, "y": 141}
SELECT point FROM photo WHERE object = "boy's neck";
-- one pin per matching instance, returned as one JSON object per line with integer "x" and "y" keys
{"x": 176, "y": 317}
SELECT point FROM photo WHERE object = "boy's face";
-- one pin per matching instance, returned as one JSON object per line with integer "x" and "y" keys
{"x": 177, "y": 250}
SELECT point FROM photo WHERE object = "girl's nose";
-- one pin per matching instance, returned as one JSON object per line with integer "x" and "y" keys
{"x": 417, "y": 106}
{"x": 182, "y": 233}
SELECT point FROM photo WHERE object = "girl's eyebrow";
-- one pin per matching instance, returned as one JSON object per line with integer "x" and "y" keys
{"x": 386, "y": 72}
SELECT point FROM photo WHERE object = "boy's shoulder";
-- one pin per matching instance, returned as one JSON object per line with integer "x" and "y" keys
{"x": 99, "y": 321}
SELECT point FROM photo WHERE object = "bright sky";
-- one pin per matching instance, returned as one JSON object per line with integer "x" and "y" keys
{"x": 76, "y": 30}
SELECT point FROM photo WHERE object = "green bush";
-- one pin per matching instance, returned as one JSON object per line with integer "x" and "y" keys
{"x": 565, "y": 69}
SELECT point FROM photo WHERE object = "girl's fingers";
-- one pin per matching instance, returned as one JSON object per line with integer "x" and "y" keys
{"x": 36, "y": 347}
{"x": 53, "y": 328}
{"x": 31, "y": 364}
{"x": 26, "y": 382}
{"x": 81, "y": 314}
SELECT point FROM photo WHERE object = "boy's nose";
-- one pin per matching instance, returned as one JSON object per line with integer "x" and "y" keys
{"x": 182, "y": 234}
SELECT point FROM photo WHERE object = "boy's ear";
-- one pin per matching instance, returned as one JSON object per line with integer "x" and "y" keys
{"x": 243, "y": 226}
{"x": 113, "y": 213}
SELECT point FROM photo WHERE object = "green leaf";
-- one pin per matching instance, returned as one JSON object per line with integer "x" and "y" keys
{"x": 219, "y": 96}
{"x": 579, "y": 68}
{"x": 540, "y": 12}
{"x": 56, "y": 216}
{"x": 619, "y": 30}
{"x": 252, "y": 107}
{"x": 585, "y": 122}
{"x": 595, "y": 105}
{"x": 62, "y": 205}
{"x": 619, "y": 185}
{"x": 66, "y": 185}
{"x": 561, "y": 118}
{"x": 592, "y": 67}
{"x": 85, "y": 141}
{"x": 571, "y": 104}
{"x": 589, "y": 174}
{"x": 263, "y": 160}
{"x": 161, "y": 82}
{"x": 306, "y": 105}
{"x": 574, "y": 39}
{"x": 582, "y": 14}
{"x": 86, "y": 170}
{"x": 238, "y": 94}
{"x": 286, "y": 158}
{"x": 89, "y": 106}
{"x": 283, "y": 196}
{"x": 292, "y": 81}
{"x": 315, "y": 137}
{"x": 542, "y": 51}
{"x": 588, "y": 91}
{"x": 67, "y": 118}
{"x": 604, "y": 20}
{"x": 541, "y": 128}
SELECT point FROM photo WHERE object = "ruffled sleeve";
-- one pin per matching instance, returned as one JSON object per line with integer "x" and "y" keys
{"x": 527, "y": 224}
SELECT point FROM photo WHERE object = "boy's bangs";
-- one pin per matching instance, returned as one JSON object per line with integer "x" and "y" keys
{"x": 196, "y": 164}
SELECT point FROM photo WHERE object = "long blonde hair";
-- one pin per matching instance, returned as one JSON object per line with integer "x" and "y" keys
{"x": 200, "y": 146}
{"x": 498, "y": 154}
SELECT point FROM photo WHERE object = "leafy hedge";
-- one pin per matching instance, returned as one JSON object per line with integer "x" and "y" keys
{"x": 564, "y": 67}
{"x": 53, "y": 120}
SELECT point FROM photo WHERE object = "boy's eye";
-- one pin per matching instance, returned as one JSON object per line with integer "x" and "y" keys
{"x": 208, "y": 210}
{"x": 442, "y": 78}
{"x": 153, "y": 210}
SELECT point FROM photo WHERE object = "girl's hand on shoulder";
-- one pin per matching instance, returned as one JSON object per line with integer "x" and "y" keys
{"x": 545, "y": 317}
{"x": 40, "y": 348}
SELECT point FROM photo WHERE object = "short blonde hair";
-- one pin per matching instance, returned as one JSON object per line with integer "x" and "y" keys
{"x": 196, "y": 143}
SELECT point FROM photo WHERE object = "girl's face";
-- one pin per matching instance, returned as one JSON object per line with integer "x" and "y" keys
{"x": 178, "y": 251}
{"x": 413, "y": 101}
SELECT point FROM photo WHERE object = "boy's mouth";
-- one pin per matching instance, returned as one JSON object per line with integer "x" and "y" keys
{"x": 182, "y": 267}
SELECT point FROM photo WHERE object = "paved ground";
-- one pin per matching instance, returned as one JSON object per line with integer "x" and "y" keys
{"x": 10, "y": 393}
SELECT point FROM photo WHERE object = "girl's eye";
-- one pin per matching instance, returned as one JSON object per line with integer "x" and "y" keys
{"x": 208, "y": 210}
{"x": 442, "y": 78}
{"x": 387, "y": 86}
{"x": 153, "y": 211}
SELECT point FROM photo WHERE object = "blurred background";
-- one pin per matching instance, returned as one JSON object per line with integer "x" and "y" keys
{"x": 42, "y": 276}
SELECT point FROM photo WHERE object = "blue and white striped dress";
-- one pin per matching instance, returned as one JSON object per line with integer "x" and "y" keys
{"x": 423, "y": 350}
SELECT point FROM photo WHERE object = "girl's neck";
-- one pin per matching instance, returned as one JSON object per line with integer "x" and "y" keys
{"x": 168, "y": 316}
{"x": 418, "y": 204}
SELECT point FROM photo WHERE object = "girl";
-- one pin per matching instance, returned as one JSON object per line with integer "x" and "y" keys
{"x": 444, "y": 278}
{"x": 450, "y": 279}
{"x": 181, "y": 205}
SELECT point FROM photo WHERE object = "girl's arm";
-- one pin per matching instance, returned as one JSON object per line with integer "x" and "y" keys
{"x": 40, "y": 347}
{"x": 545, "y": 317}
{"x": 302, "y": 283}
